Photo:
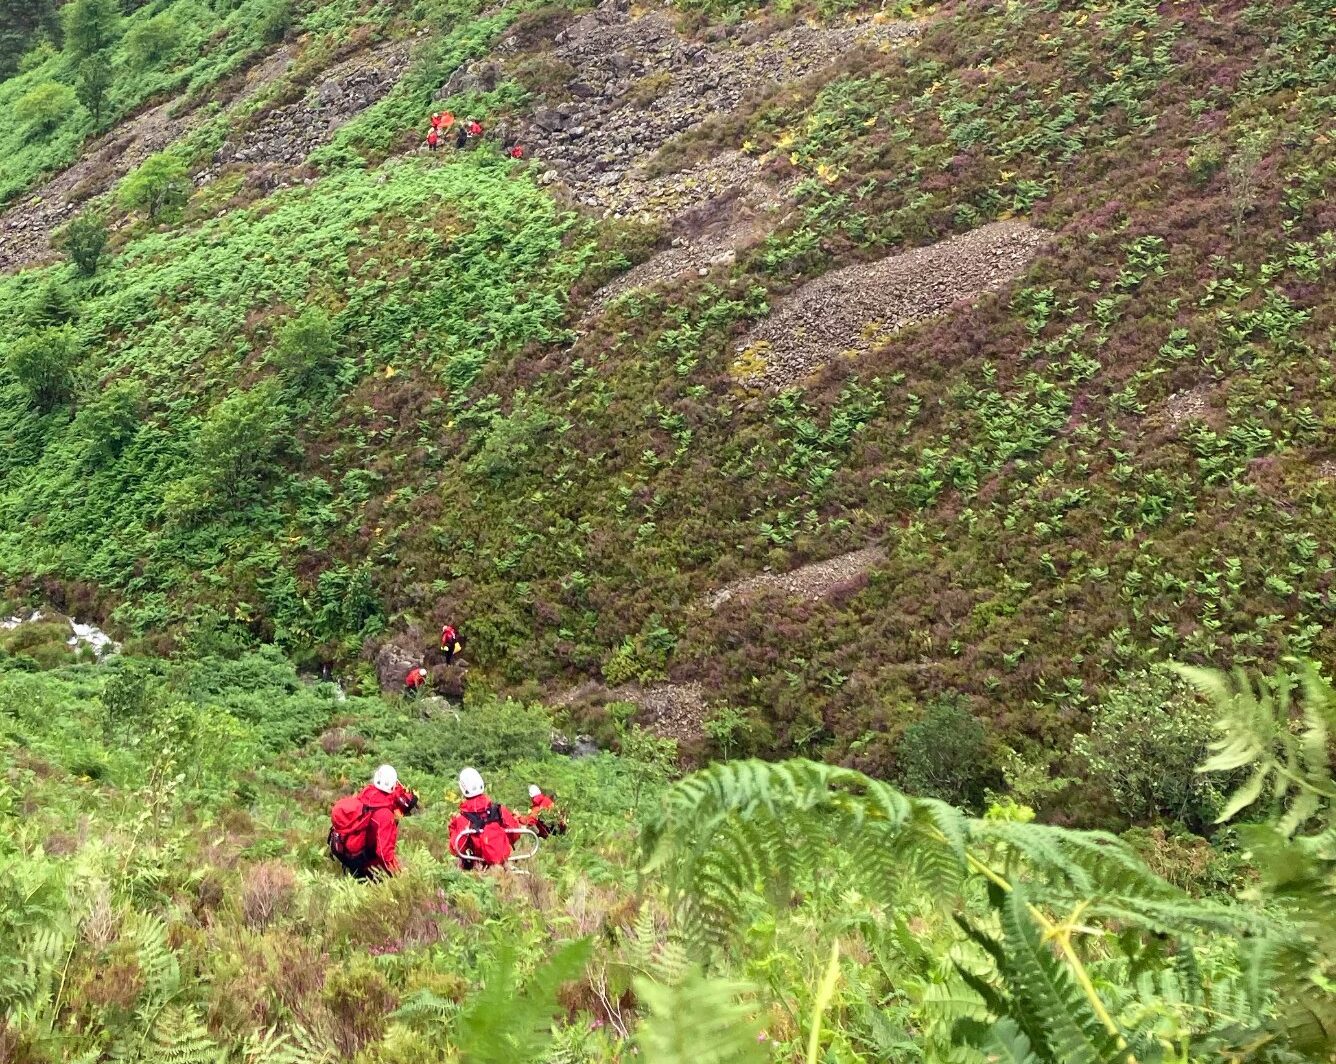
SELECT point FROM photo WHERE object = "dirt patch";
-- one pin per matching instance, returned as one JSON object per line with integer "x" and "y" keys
{"x": 1192, "y": 405}
{"x": 852, "y": 310}
{"x": 810, "y": 582}
{"x": 26, "y": 228}
{"x": 638, "y": 84}
{"x": 739, "y": 223}
{"x": 1327, "y": 469}
{"x": 673, "y": 711}
{"x": 288, "y": 134}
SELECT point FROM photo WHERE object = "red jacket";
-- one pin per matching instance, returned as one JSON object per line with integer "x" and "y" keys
{"x": 538, "y": 805}
{"x": 384, "y": 825}
{"x": 433, "y": 136}
{"x": 459, "y": 823}
{"x": 448, "y": 636}
{"x": 416, "y": 677}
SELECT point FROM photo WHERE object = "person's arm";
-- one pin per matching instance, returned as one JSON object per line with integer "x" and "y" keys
{"x": 508, "y": 819}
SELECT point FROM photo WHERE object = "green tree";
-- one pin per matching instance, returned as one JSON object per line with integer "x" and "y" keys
{"x": 161, "y": 184}
{"x": 91, "y": 26}
{"x": 94, "y": 81}
{"x": 240, "y": 441}
{"x": 43, "y": 108}
{"x": 44, "y": 364}
{"x": 84, "y": 240}
{"x": 23, "y": 20}
{"x": 154, "y": 41}
{"x": 111, "y": 420}
{"x": 234, "y": 454}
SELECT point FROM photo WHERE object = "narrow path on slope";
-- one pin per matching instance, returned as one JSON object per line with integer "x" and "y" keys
{"x": 26, "y": 227}
{"x": 851, "y": 310}
{"x": 811, "y": 582}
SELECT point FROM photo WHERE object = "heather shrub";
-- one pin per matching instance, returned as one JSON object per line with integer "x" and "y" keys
{"x": 268, "y": 892}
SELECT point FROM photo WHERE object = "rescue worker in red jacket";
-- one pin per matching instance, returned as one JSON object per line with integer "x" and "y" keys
{"x": 433, "y": 138}
{"x": 479, "y": 832}
{"x": 543, "y": 815}
{"x": 415, "y": 681}
{"x": 388, "y": 800}
{"x": 449, "y": 638}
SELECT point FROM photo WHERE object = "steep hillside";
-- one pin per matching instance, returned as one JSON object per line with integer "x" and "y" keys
{"x": 1027, "y": 308}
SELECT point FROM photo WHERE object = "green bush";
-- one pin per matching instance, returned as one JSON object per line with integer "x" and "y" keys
{"x": 45, "y": 107}
{"x": 83, "y": 241}
{"x": 644, "y": 657}
{"x": 1146, "y": 739}
{"x": 946, "y": 755}
{"x": 53, "y": 304}
{"x": 307, "y": 349}
{"x": 487, "y": 734}
{"x": 110, "y": 421}
{"x": 276, "y": 21}
{"x": 44, "y": 364}
{"x": 154, "y": 41}
{"x": 234, "y": 453}
{"x": 158, "y": 187}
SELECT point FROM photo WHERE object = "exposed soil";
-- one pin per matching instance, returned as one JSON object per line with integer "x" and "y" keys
{"x": 1192, "y": 405}
{"x": 737, "y": 223}
{"x": 288, "y": 134}
{"x": 637, "y": 84}
{"x": 851, "y": 310}
{"x": 673, "y": 711}
{"x": 26, "y": 228}
{"x": 810, "y": 582}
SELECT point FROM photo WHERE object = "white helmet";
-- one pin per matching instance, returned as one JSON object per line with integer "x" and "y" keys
{"x": 385, "y": 779}
{"x": 534, "y": 790}
{"x": 470, "y": 783}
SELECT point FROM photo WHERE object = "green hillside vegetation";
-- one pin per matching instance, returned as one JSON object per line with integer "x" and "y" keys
{"x": 456, "y": 449}
{"x": 263, "y": 415}
{"x": 167, "y": 897}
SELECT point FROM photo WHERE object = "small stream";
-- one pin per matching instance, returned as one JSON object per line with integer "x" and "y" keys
{"x": 81, "y": 635}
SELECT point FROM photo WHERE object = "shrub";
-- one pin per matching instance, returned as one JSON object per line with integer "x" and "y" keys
{"x": 307, "y": 348}
{"x": 1204, "y": 162}
{"x": 83, "y": 242}
{"x": 44, "y": 365}
{"x": 484, "y": 735}
{"x": 91, "y": 26}
{"x": 234, "y": 453}
{"x": 54, "y": 304}
{"x": 268, "y": 890}
{"x": 159, "y": 186}
{"x": 43, "y": 108}
{"x": 276, "y": 21}
{"x": 945, "y": 755}
{"x": 644, "y": 658}
{"x": 153, "y": 41}
{"x": 1146, "y": 740}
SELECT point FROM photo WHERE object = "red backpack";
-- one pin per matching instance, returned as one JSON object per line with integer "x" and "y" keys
{"x": 350, "y": 835}
{"x": 491, "y": 842}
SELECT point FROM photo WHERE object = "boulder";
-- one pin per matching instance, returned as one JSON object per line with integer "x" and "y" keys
{"x": 392, "y": 664}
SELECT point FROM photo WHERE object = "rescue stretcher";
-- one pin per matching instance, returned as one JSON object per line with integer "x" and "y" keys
{"x": 513, "y": 863}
